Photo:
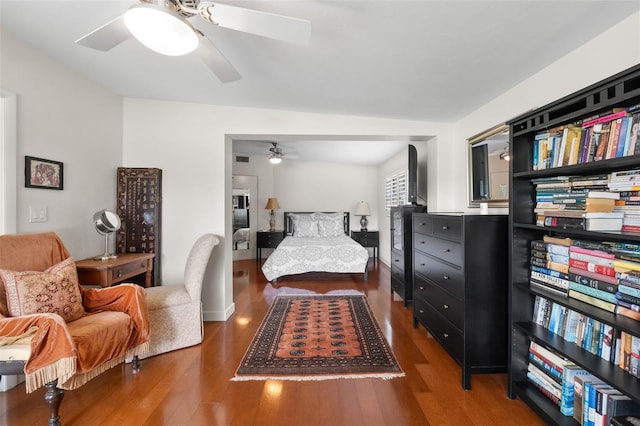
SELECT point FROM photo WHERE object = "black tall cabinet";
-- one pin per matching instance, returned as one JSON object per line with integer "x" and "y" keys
{"x": 402, "y": 250}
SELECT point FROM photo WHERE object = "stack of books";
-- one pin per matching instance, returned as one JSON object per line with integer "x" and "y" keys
{"x": 545, "y": 371}
{"x": 578, "y": 202}
{"x": 550, "y": 266}
{"x": 627, "y": 185}
{"x": 592, "y": 275}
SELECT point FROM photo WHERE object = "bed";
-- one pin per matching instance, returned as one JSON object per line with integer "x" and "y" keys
{"x": 241, "y": 238}
{"x": 316, "y": 242}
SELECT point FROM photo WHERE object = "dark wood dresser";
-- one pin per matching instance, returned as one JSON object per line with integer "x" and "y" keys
{"x": 460, "y": 268}
{"x": 401, "y": 250}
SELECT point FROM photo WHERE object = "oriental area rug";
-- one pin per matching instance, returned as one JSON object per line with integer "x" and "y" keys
{"x": 318, "y": 337}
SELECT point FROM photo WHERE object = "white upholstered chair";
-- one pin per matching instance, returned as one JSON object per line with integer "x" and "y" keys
{"x": 175, "y": 311}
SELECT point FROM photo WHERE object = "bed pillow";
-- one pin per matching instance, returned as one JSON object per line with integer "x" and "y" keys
{"x": 330, "y": 227}
{"x": 305, "y": 227}
{"x": 56, "y": 290}
{"x": 336, "y": 215}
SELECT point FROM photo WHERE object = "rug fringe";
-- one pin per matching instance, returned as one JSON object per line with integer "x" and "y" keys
{"x": 385, "y": 376}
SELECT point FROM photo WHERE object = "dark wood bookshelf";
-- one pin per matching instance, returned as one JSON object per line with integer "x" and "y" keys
{"x": 619, "y": 91}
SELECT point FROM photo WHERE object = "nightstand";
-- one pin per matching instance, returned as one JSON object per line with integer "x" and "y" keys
{"x": 368, "y": 239}
{"x": 267, "y": 239}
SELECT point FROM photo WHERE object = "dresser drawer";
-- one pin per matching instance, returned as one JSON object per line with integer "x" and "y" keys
{"x": 398, "y": 286}
{"x": 397, "y": 261}
{"x": 422, "y": 224}
{"x": 366, "y": 238}
{"x": 441, "y": 329}
{"x": 442, "y": 274}
{"x": 449, "y": 251}
{"x": 128, "y": 270}
{"x": 450, "y": 228}
{"x": 445, "y": 304}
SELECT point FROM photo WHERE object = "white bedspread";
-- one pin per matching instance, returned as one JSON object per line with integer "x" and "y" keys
{"x": 297, "y": 255}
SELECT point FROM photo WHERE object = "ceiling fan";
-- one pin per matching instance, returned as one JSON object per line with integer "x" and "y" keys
{"x": 275, "y": 156}
{"x": 164, "y": 26}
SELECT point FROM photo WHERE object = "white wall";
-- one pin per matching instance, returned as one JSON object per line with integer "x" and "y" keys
{"x": 65, "y": 117}
{"x": 197, "y": 175}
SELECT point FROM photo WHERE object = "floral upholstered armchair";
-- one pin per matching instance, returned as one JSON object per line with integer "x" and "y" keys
{"x": 55, "y": 332}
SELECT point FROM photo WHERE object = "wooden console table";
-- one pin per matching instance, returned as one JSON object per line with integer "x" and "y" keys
{"x": 106, "y": 273}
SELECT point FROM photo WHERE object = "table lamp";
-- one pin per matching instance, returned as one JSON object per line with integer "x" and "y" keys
{"x": 363, "y": 210}
{"x": 272, "y": 204}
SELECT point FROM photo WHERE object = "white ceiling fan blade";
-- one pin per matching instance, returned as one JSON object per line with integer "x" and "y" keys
{"x": 216, "y": 61}
{"x": 284, "y": 28}
{"x": 107, "y": 36}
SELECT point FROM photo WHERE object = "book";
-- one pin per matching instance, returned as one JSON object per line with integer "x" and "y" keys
{"x": 605, "y": 119}
{"x": 628, "y": 312}
{"x": 567, "y": 398}
{"x": 621, "y": 405}
{"x": 607, "y": 306}
{"x": 591, "y": 282}
{"x": 631, "y": 291}
{"x": 625, "y": 265}
{"x": 557, "y": 240}
{"x": 578, "y": 398}
{"x": 591, "y": 252}
{"x": 602, "y": 398}
{"x": 541, "y": 285}
{"x": 592, "y": 267}
{"x": 594, "y": 275}
{"x": 557, "y": 361}
{"x": 600, "y": 294}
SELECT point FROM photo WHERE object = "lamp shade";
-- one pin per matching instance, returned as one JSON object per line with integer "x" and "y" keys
{"x": 272, "y": 204}
{"x": 363, "y": 209}
{"x": 161, "y": 30}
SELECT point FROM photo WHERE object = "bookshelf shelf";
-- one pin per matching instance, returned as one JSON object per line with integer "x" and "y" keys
{"x": 543, "y": 406}
{"x": 606, "y": 371}
{"x": 619, "y": 91}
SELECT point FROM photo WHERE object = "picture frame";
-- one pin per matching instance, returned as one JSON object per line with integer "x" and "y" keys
{"x": 42, "y": 173}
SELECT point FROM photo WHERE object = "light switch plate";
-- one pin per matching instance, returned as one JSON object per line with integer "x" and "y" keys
{"x": 38, "y": 214}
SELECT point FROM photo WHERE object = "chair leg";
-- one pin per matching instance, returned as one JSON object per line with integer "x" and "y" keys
{"x": 135, "y": 364}
{"x": 53, "y": 398}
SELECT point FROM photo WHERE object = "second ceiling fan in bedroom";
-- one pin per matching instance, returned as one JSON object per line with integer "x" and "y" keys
{"x": 164, "y": 26}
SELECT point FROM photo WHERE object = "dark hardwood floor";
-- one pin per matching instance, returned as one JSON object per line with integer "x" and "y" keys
{"x": 192, "y": 386}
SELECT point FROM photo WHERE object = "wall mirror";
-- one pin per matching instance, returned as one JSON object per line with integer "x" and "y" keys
{"x": 489, "y": 157}
{"x": 241, "y": 220}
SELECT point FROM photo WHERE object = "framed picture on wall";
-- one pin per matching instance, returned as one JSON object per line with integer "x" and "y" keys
{"x": 41, "y": 173}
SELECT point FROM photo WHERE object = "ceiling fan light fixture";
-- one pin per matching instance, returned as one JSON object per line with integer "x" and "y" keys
{"x": 275, "y": 158}
{"x": 161, "y": 29}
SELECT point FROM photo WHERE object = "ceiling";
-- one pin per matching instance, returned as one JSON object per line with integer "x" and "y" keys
{"x": 416, "y": 60}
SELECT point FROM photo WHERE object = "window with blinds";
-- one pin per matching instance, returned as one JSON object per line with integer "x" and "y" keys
{"x": 396, "y": 190}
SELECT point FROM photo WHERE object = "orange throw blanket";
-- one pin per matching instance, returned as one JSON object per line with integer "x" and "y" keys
{"x": 115, "y": 327}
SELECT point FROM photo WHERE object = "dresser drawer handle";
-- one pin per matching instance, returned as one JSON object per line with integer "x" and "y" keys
{"x": 445, "y": 306}
{"x": 143, "y": 265}
{"x": 397, "y": 260}
{"x": 446, "y": 335}
{"x": 421, "y": 287}
{"x": 446, "y": 277}
{"x": 421, "y": 311}
{"x": 422, "y": 242}
{"x": 445, "y": 227}
{"x": 446, "y": 250}
{"x": 422, "y": 224}
{"x": 422, "y": 264}
{"x": 119, "y": 273}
